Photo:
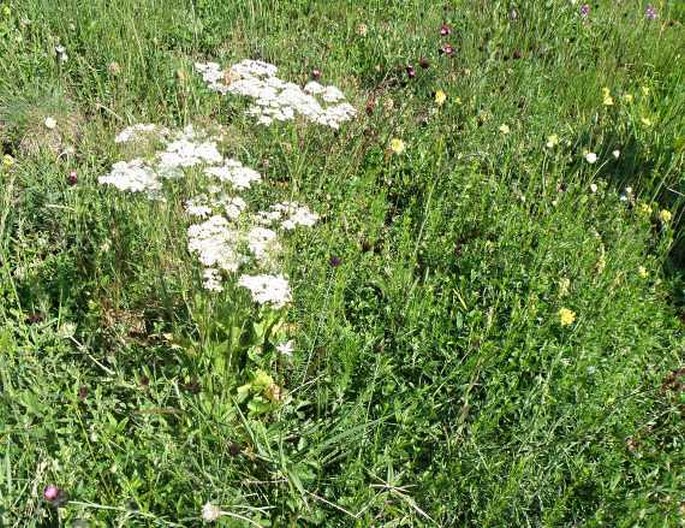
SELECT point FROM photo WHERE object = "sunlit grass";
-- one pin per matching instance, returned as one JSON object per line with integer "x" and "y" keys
{"x": 485, "y": 325}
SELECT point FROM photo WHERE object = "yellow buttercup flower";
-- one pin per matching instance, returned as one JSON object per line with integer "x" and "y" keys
{"x": 665, "y": 216}
{"x": 642, "y": 272}
{"x": 440, "y": 97}
{"x": 7, "y": 161}
{"x": 504, "y": 128}
{"x": 397, "y": 146}
{"x": 608, "y": 100}
{"x": 646, "y": 121}
{"x": 566, "y": 317}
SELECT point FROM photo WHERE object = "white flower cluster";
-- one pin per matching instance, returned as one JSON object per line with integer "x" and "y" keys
{"x": 275, "y": 99}
{"x": 290, "y": 215}
{"x": 226, "y": 237}
{"x": 138, "y": 131}
{"x": 187, "y": 151}
{"x": 267, "y": 289}
{"x": 233, "y": 171}
{"x": 133, "y": 176}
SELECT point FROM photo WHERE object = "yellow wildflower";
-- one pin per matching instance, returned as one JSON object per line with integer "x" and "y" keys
{"x": 645, "y": 90}
{"x": 606, "y": 94}
{"x": 552, "y": 141}
{"x": 642, "y": 272}
{"x": 397, "y": 146}
{"x": 646, "y": 121}
{"x": 504, "y": 128}
{"x": 628, "y": 98}
{"x": 645, "y": 209}
{"x": 566, "y": 317}
{"x": 665, "y": 216}
{"x": 440, "y": 97}
{"x": 7, "y": 161}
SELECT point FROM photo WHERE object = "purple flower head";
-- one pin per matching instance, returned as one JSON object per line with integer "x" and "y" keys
{"x": 72, "y": 179}
{"x": 650, "y": 12}
{"x": 447, "y": 49}
{"x": 585, "y": 10}
{"x": 316, "y": 74}
{"x": 411, "y": 72}
{"x": 51, "y": 492}
{"x": 54, "y": 495}
{"x": 445, "y": 30}
{"x": 335, "y": 261}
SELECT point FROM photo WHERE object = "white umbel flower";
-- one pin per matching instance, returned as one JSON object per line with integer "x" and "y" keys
{"x": 132, "y": 176}
{"x": 267, "y": 289}
{"x": 214, "y": 242}
{"x": 232, "y": 171}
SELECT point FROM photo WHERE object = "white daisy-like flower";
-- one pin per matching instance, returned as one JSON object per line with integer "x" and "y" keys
{"x": 593, "y": 187}
{"x": 616, "y": 153}
{"x": 50, "y": 123}
{"x": 287, "y": 348}
{"x": 591, "y": 157}
{"x": 267, "y": 289}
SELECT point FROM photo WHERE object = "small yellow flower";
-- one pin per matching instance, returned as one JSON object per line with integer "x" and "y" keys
{"x": 665, "y": 216}
{"x": 628, "y": 98}
{"x": 646, "y": 121}
{"x": 645, "y": 209}
{"x": 552, "y": 141}
{"x": 362, "y": 30}
{"x": 566, "y": 317}
{"x": 642, "y": 272}
{"x": 606, "y": 94}
{"x": 645, "y": 90}
{"x": 440, "y": 97}
{"x": 7, "y": 161}
{"x": 457, "y": 100}
{"x": 504, "y": 128}
{"x": 397, "y": 146}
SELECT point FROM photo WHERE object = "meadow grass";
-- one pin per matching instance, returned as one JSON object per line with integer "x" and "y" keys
{"x": 487, "y": 328}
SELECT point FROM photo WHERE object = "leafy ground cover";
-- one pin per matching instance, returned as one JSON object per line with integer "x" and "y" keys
{"x": 478, "y": 317}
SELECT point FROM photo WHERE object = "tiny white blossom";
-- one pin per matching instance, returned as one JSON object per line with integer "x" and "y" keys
{"x": 50, "y": 123}
{"x": 286, "y": 348}
{"x": 616, "y": 153}
{"x": 593, "y": 187}
{"x": 210, "y": 512}
{"x": 591, "y": 157}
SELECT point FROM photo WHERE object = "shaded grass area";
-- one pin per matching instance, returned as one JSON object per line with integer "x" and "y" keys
{"x": 433, "y": 382}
